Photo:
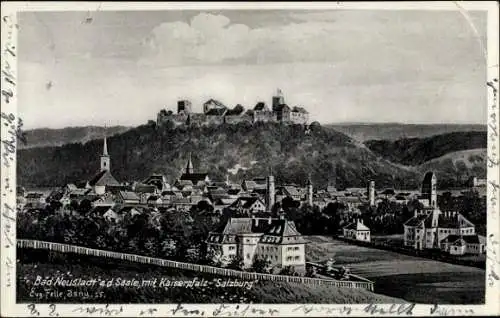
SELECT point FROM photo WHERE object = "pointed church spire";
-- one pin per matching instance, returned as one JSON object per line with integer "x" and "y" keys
{"x": 105, "y": 160}
{"x": 189, "y": 166}
{"x": 105, "y": 148}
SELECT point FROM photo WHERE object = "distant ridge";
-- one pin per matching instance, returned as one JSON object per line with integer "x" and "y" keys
{"x": 393, "y": 131}
{"x": 47, "y": 137}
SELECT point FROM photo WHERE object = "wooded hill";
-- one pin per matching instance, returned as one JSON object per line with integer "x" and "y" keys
{"x": 291, "y": 153}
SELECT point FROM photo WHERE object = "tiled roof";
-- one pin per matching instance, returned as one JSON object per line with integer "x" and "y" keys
{"x": 103, "y": 178}
{"x": 416, "y": 221}
{"x": 358, "y": 226}
{"x": 292, "y": 190}
{"x": 129, "y": 196}
{"x": 145, "y": 188}
{"x": 245, "y": 202}
{"x": 215, "y": 102}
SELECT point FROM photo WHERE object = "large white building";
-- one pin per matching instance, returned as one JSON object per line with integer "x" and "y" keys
{"x": 431, "y": 228}
{"x": 276, "y": 240}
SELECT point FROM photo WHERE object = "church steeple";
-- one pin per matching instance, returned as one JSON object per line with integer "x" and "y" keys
{"x": 105, "y": 159}
{"x": 189, "y": 166}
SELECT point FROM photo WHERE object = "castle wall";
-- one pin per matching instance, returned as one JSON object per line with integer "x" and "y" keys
{"x": 264, "y": 116}
{"x": 214, "y": 120}
{"x": 238, "y": 119}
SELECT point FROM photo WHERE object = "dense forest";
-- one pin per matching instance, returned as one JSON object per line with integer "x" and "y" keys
{"x": 291, "y": 152}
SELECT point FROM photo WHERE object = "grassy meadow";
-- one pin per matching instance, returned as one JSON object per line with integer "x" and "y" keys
{"x": 411, "y": 278}
{"x": 72, "y": 267}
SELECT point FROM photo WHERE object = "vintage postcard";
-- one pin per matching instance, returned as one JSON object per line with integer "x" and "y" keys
{"x": 249, "y": 159}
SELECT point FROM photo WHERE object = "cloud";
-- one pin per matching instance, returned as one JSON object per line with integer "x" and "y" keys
{"x": 389, "y": 39}
{"x": 207, "y": 38}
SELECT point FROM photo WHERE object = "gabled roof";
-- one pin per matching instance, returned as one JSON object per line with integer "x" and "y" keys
{"x": 416, "y": 221}
{"x": 236, "y": 111}
{"x": 260, "y": 106}
{"x": 145, "y": 188}
{"x": 215, "y": 102}
{"x": 129, "y": 196}
{"x": 246, "y": 202}
{"x": 281, "y": 231}
{"x": 193, "y": 177}
{"x": 358, "y": 226}
{"x": 103, "y": 178}
{"x": 292, "y": 190}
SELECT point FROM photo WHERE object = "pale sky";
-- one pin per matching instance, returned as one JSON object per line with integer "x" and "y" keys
{"x": 342, "y": 66}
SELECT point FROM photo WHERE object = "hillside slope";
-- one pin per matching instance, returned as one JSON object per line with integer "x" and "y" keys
{"x": 416, "y": 151}
{"x": 325, "y": 154}
{"x": 459, "y": 164}
{"x": 45, "y": 137}
{"x": 262, "y": 291}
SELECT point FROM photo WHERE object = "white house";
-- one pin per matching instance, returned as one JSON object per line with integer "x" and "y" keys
{"x": 460, "y": 245}
{"x": 357, "y": 231}
{"x": 249, "y": 205}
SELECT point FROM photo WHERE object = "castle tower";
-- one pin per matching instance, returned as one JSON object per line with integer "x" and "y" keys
{"x": 371, "y": 193}
{"x": 271, "y": 193}
{"x": 309, "y": 192}
{"x": 429, "y": 188}
{"x": 105, "y": 159}
{"x": 189, "y": 166}
{"x": 278, "y": 99}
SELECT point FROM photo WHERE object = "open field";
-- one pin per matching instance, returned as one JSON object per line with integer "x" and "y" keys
{"x": 412, "y": 278}
{"x": 60, "y": 265}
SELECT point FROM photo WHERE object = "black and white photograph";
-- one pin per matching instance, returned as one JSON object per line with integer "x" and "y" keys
{"x": 250, "y": 155}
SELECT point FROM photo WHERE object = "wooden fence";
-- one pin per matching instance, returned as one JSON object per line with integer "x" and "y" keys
{"x": 66, "y": 248}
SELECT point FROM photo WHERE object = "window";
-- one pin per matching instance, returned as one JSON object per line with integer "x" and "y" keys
{"x": 288, "y": 258}
{"x": 248, "y": 256}
{"x": 231, "y": 248}
{"x": 297, "y": 258}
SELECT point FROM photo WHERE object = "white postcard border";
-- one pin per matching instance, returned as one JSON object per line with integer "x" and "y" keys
{"x": 8, "y": 176}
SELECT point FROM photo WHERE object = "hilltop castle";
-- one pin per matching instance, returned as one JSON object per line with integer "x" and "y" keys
{"x": 214, "y": 112}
